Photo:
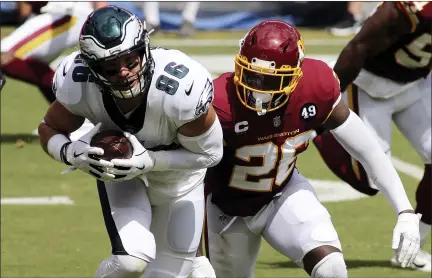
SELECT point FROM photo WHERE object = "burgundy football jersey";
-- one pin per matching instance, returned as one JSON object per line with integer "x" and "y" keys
{"x": 410, "y": 58}
{"x": 260, "y": 151}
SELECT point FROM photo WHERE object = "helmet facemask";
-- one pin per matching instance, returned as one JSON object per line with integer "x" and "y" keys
{"x": 137, "y": 60}
{"x": 113, "y": 40}
{"x": 265, "y": 86}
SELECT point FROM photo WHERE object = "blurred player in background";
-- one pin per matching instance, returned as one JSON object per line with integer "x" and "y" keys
{"x": 385, "y": 70}
{"x": 351, "y": 22}
{"x": 2, "y": 80}
{"x": 190, "y": 10}
{"x": 268, "y": 110}
{"x": 28, "y": 50}
{"x": 152, "y": 202}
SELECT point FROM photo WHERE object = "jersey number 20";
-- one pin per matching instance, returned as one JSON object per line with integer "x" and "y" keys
{"x": 269, "y": 153}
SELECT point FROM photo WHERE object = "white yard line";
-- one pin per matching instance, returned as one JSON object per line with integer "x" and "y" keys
{"x": 408, "y": 168}
{"x": 335, "y": 191}
{"x": 327, "y": 190}
{"x": 50, "y": 200}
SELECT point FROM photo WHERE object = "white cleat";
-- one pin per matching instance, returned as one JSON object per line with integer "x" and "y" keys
{"x": 421, "y": 263}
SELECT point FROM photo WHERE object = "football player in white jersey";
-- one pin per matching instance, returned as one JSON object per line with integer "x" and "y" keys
{"x": 152, "y": 203}
{"x": 26, "y": 52}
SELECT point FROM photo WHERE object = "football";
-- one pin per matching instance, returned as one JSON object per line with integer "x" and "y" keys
{"x": 114, "y": 144}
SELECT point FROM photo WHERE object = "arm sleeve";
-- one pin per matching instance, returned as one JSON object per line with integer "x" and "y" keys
{"x": 357, "y": 140}
{"x": 198, "y": 152}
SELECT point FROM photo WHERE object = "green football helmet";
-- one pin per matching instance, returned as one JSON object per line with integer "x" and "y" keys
{"x": 111, "y": 34}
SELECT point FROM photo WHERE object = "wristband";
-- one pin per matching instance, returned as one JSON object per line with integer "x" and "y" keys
{"x": 57, "y": 145}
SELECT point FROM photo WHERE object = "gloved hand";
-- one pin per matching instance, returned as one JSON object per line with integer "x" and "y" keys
{"x": 81, "y": 156}
{"x": 406, "y": 238}
{"x": 142, "y": 161}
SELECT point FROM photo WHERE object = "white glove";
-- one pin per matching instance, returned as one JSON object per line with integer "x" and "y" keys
{"x": 142, "y": 161}
{"x": 202, "y": 268}
{"x": 406, "y": 238}
{"x": 79, "y": 154}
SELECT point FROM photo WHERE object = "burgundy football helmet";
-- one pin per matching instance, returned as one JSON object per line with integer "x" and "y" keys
{"x": 268, "y": 67}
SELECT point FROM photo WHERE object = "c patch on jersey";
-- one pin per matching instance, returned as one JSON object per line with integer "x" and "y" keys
{"x": 205, "y": 98}
{"x": 308, "y": 112}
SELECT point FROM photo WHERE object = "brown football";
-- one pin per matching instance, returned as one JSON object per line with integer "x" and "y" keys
{"x": 114, "y": 144}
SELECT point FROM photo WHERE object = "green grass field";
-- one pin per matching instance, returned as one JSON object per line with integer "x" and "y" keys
{"x": 70, "y": 240}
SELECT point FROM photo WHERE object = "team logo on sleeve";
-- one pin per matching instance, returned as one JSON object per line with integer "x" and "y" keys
{"x": 308, "y": 111}
{"x": 205, "y": 98}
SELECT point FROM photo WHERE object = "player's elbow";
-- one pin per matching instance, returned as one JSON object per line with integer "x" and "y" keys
{"x": 215, "y": 144}
{"x": 216, "y": 156}
{"x": 208, "y": 145}
{"x": 45, "y": 133}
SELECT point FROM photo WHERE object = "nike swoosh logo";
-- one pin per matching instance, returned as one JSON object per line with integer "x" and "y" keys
{"x": 76, "y": 155}
{"x": 64, "y": 70}
{"x": 141, "y": 153}
{"x": 190, "y": 89}
{"x": 418, "y": 266}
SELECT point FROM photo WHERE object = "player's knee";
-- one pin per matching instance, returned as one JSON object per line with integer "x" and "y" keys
{"x": 131, "y": 264}
{"x": 121, "y": 266}
{"x": 331, "y": 266}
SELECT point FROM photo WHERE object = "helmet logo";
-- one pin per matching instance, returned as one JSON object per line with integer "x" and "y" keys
{"x": 263, "y": 64}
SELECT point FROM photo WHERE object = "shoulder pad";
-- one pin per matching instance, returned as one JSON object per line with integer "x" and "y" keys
{"x": 321, "y": 87}
{"x": 224, "y": 88}
{"x": 194, "y": 87}
{"x": 416, "y": 11}
{"x": 70, "y": 80}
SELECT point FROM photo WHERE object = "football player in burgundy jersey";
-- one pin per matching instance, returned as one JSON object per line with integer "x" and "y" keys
{"x": 268, "y": 109}
{"x": 27, "y": 51}
{"x": 385, "y": 70}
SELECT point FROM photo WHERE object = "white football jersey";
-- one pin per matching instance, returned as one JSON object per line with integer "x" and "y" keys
{"x": 181, "y": 90}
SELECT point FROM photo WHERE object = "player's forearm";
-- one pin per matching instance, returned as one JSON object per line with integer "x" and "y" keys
{"x": 378, "y": 33}
{"x": 355, "y": 137}
{"x": 198, "y": 152}
{"x": 349, "y": 63}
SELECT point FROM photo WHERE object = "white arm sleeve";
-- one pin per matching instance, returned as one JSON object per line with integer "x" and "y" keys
{"x": 358, "y": 141}
{"x": 198, "y": 152}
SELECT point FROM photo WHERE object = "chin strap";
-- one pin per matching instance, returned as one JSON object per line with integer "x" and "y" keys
{"x": 258, "y": 105}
